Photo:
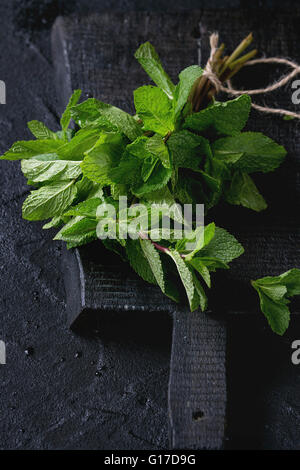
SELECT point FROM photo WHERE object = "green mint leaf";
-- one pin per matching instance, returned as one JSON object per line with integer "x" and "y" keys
{"x": 78, "y": 231}
{"x": 39, "y": 149}
{"x": 40, "y": 171}
{"x": 128, "y": 171}
{"x": 65, "y": 136}
{"x": 124, "y": 122}
{"x": 118, "y": 189}
{"x": 95, "y": 114}
{"x": 155, "y": 109}
{"x": 55, "y": 222}
{"x": 188, "y": 150}
{"x": 201, "y": 269}
{"x": 200, "y": 292}
{"x": 86, "y": 208}
{"x": 138, "y": 148}
{"x": 249, "y": 152}
{"x": 212, "y": 263}
{"x": 157, "y": 180}
{"x": 290, "y": 279}
{"x": 223, "y": 246}
{"x": 138, "y": 261}
{"x": 66, "y": 117}
{"x": 275, "y": 311}
{"x": 187, "y": 279}
{"x": 82, "y": 142}
{"x": 155, "y": 263}
{"x": 149, "y": 60}
{"x": 153, "y": 258}
{"x": 148, "y": 167}
{"x": 242, "y": 191}
{"x": 49, "y": 201}
{"x": 161, "y": 197}
{"x": 158, "y": 148}
{"x": 88, "y": 114}
{"x": 274, "y": 293}
{"x": 86, "y": 189}
{"x": 41, "y": 131}
{"x": 191, "y": 189}
{"x": 227, "y": 118}
{"x": 103, "y": 157}
{"x": 187, "y": 79}
{"x": 202, "y": 237}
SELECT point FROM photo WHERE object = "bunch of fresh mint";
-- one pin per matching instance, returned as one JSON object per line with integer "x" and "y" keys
{"x": 164, "y": 154}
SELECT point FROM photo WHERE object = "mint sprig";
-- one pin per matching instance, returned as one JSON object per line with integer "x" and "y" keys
{"x": 181, "y": 146}
{"x": 274, "y": 293}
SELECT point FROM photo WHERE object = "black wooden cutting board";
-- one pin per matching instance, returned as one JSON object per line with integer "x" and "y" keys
{"x": 95, "y": 54}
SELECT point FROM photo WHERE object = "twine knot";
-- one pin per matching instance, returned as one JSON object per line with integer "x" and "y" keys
{"x": 228, "y": 89}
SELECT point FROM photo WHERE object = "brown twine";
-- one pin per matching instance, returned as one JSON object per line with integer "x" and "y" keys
{"x": 210, "y": 74}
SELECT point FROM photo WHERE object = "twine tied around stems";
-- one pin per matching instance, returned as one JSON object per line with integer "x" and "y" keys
{"x": 212, "y": 76}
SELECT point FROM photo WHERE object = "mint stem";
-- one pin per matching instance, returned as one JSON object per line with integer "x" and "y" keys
{"x": 159, "y": 247}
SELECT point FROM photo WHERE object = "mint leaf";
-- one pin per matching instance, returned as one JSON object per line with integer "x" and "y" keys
{"x": 161, "y": 196}
{"x": 38, "y": 149}
{"x": 148, "y": 167}
{"x": 124, "y": 122}
{"x": 202, "y": 237}
{"x": 274, "y": 293}
{"x": 157, "y": 147}
{"x": 49, "y": 201}
{"x": 41, "y": 131}
{"x": 187, "y": 78}
{"x": 155, "y": 109}
{"x": 249, "y": 152}
{"x": 157, "y": 180}
{"x": 95, "y": 114}
{"x": 201, "y": 269}
{"x": 66, "y": 117}
{"x": 78, "y": 231}
{"x": 128, "y": 171}
{"x": 186, "y": 277}
{"x": 118, "y": 189}
{"x": 227, "y": 118}
{"x": 275, "y": 311}
{"x": 138, "y": 148}
{"x": 200, "y": 292}
{"x": 290, "y": 279}
{"x": 86, "y": 208}
{"x": 188, "y": 150}
{"x": 212, "y": 263}
{"x": 242, "y": 191}
{"x": 223, "y": 246}
{"x": 102, "y": 158}
{"x": 138, "y": 261}
{"x": 82, "y": 142}
{"x": 86, "y": 188}
{"x": 149, "y": 60}
{"x": 88, "y": 114}
{"x": 40, "y": 171}
{"x": 55, "y": 222}
{"x": 154, "y": 259}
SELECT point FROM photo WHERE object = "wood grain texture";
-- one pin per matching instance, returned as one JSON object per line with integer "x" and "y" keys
{"x": 197, "y": 386}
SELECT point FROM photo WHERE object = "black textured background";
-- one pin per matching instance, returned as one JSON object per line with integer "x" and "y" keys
{"x": 107, "y": 390}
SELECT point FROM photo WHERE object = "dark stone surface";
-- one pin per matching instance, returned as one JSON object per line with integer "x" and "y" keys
{"x": 108, "y": 389}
